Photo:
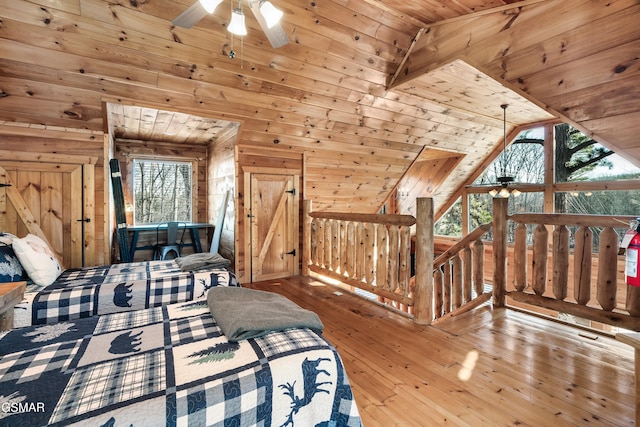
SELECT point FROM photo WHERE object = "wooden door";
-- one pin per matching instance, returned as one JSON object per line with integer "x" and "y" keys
{"x": 274, "y": 219}
{"x": 47, "y": 199}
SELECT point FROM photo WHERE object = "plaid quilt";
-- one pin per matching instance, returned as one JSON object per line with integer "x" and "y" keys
{"x": 91, "y": 291}
{"x": 169, "y": 365}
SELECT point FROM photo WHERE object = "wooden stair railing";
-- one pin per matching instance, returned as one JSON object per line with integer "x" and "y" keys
{"x": 457, "y": 273}
{"x": 367, "y": 251}
{"x": 373, "y": 252}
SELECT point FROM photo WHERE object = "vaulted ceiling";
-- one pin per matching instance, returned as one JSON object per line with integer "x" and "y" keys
{"x": 365, "y": 90}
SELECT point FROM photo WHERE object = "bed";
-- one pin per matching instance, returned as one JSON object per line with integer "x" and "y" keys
{"x": 170, "y": 365}
{"x": 91, "y": 291}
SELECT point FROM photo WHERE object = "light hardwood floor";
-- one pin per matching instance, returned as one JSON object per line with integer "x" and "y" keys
{"x": 489, "y": 367}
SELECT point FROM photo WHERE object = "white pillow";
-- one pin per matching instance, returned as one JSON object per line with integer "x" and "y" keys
{"x": 37, "y": 259}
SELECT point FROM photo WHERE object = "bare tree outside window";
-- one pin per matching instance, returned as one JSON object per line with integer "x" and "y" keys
{"x": 161, "y": 191}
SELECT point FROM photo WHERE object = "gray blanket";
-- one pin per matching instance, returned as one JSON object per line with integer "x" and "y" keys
{"x": 244, "y": 313}
{"x": 202, "y": 261}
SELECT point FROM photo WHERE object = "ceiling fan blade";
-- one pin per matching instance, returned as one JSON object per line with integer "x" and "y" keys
{"x": 191, "y": 16}
{"x": 276, "y": 35}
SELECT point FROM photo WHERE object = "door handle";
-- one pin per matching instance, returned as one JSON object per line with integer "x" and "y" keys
{"x": 84, "y": 220}
{"x": 292, "y": 252}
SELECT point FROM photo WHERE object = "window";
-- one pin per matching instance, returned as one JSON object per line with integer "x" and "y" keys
{"x": 162, "y": 191}
{"x": 523, "y": 160}
{"x": 588, "y": 179}
{"x": 450, "y": 224}
{"x": 607, "y": 202}
{"x": 580, "y": 158}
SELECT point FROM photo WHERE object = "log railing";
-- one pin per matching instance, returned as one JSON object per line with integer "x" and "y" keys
{"x": 373, "y": 252}
{"x": 458, "y": 276}
{"x": 554, "y": 276}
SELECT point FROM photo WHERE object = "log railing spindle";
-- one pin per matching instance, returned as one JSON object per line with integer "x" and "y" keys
{"x": 560, "y": 255}
{"x": 520, "y": 258}
{"x": 607, "y": 270}
{"x": 478, "y": 266}
{"x": 582, "y": 254}
{"x": 609, "y": 305}
{"x": 540, "y": 259}
{"x": 467, "y": 274}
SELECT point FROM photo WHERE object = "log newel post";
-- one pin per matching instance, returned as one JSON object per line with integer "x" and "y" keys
{"x": 423, "y": 312}
{"x": 500, "y": 211}
{"x": 306, "y": 237}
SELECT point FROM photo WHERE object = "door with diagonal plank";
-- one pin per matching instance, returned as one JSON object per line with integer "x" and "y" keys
{"x": 48, "y": 199}
{"x": 274, "y": 226}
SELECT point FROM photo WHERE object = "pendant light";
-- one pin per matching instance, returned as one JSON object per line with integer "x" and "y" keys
{"x": 210, "y": 5}
{"x": 270, "y": 13}
{"x": 237, "y": 26}
{"x": 504, "y": 180}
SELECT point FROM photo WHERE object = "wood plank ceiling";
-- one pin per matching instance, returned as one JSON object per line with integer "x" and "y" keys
{"x": 363, "y": 88}
{"x": 131, "y": 122}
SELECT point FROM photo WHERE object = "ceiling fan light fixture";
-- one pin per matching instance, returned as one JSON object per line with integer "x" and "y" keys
{"x": 263, "y": 10}
{"x": 504, "y": 192}
{"x": 237, "y": 26}
{"x": 270, "y": 13}
{"x": 504, "y": 180}
{"x": 210, "y": 5}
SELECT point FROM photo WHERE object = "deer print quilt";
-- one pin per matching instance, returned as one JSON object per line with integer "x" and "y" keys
{"x": 169, "y": 365}
{"x": 92, "y": 291}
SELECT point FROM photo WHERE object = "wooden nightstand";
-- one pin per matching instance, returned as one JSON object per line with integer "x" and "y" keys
{"x": 10, "y": 295}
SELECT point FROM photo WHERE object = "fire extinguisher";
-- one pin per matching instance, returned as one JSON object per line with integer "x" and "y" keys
{"x": 632, "y": 268}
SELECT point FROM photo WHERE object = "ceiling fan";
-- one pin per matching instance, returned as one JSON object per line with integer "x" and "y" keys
{"x": 266, "y": 14}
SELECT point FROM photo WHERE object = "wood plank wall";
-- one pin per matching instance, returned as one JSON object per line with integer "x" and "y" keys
{"x": 424, "y": 177}
{"x": 221, "y": 177}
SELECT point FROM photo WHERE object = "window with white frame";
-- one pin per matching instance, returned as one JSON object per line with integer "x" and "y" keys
{"x": 162, "y": 191}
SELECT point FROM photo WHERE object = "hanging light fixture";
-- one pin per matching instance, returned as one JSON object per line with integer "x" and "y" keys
{"x": 210, "y": 5}
{"x": 270, "y": 13}
{"x": 266, "y": 14}
{"x": 236, "y": 26}
{"x": 504, "y": 180}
